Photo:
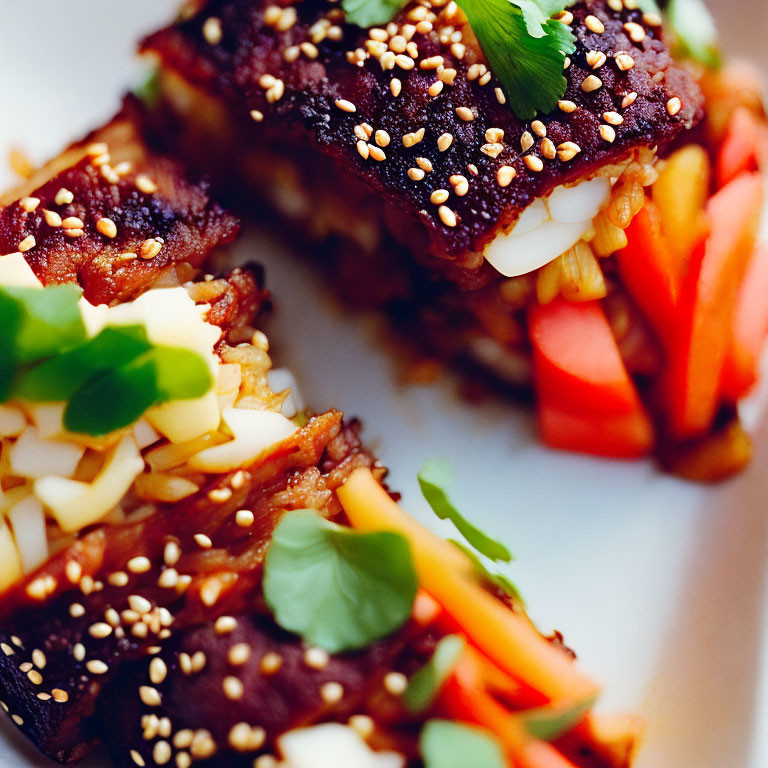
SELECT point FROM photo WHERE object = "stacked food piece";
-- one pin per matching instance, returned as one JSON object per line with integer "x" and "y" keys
{"x": 476, "y": 168}
{"x": 192, "y": 570}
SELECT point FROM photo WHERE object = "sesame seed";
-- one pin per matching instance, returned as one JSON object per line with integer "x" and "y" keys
{"x": 203, "y": 541}
{"x": 431, "y": 62}
{"x": 150, "y": 696}
{"x": 613, "y": 118}
{"x": 232, "y": 687}
{"x": 674, "y": 105}
{"x": 492, "y": 150}
{"x": 212, "y": 30}
{"x": 27, "y": 243}
{"x": 465, "y": 113}
{"x": 404, "y": 62}
{"x": 500, "y": 97}
{"x": 395, "y": 683}
{"x": 96, "y": 667}
{"x": 548, "y": 149}
{"x": 424, "y": 163}
{"x": 382, "y": 138}
{"x": 616, "y": 5}
{"x": 63, "y": 197}
{"x": 565, "y": 17}
{"x": 52, "y": 219}
{"x": 34, "y": 677}
{"x": 635, "y": 31}
{"x": 171, "y": 553}
{"x": 109, "y": 174}
{"x": 183, "y": 760}
{"x": 460, "y": 184}
{"x": 118, "y": 578}
{"x": 652, "y": 19}
{"x": 439, "y": 196}
{"x": 161, "y": 752}
{"x": 332, "y": 692}
{"x": 593, "y": 24}
{"x": 376, "y": 153}
{"x": 220, "y": 495}
{"x": 145, "y": 184}
{"x": 415, "y": 174}
{"x": 225, "y": 625}
{"x": 447, "y": 75}
{"x": 139, "y": 604}
{"x": 139, "y": 564}
{"x": 591, "y": 83}
{"x": 44, "y": 696}
{"x": 100, "y": 630}
{"x": 122, "y": 168}
{"x": 485, "y": 79}
{"x": 137, "y": 758}
{"x": 149, "y": 249}
{"x": 539, "y": 128}
{"x": 534, "y": 163}
{"x": 362, "y": 724}
{"x": 60, "y": 695}
{"x": 316, "y": 658}
{"x": 157, "y": 671}
{"x": 444, "y": 141}
{"x": 447, "y": 216}
{"x": 345, "y": 106}
{"x": 413, "y": 138}
{"x": 387, "y": 61}
{"x": 596, "y": 59}
{"x": 74, "y": 232}
{"x": 608, "y": 134}
{"x": 107, "y": 227}
{"x": 526, "y": 141}
{"x": 78, "y": 651}
{"x": 505, "y": 174}
{"x": 112, "y": 617}
{"x": 395, "y": 86}
{"x": 628, "y": 100}
{"x": 7, "y": 650}
{"x": 38, "y": 658}
{"x": 210, "y": 592}
{"x": 256, "y": 115}
{"x": 183, "y": 738}
{"x": 567, "y": 151}
{"x": 270, "y": 663}
{"x": 18, "y": 719}
{"x": 309, "y": 50}
{"x": 458, "y": 50}
{"x": 436, "y": 88}
{"x": 275, "y": 93}
{"x": 29, "y": 204}
{"x": 26, "y": 666}
{"x": 239, "y": 654}
{"x": 244, "y": 517}
{"x": 73, "y": 571}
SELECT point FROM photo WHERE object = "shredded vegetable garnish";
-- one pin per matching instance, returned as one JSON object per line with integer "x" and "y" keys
{"x": 445, "y": 744}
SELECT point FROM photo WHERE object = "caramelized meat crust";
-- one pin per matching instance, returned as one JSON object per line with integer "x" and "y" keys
{"x": 242, "y": 66}
{"x": 111, "y": 215}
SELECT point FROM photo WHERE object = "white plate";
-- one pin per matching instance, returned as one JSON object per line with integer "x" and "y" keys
{"x": 658, "y": 584}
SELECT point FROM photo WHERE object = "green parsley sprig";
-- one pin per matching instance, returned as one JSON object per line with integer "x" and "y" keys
{"x": 107, "y": 381}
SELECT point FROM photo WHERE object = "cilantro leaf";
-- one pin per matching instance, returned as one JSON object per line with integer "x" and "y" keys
{"x": 59, "y": 377}
{"x": 434, "y": 477}
{"x": 371, "y": 13}
{"x": 425, "y": 683}
{"x": 115, "y": 398}
{"x": 41, "y": 321}
{"x": 648, "y": 6}
{"x": 446, "y": 744}
{"x": 496, "y": 579}
{"x": 550, "y": 722}
{"x": 336, "y": 587}
{"x": 695, "y": 31}
{"x": 525, "y": 48}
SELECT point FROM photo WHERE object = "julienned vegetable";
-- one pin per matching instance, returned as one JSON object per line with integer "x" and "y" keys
{"x": 503, "y": 635}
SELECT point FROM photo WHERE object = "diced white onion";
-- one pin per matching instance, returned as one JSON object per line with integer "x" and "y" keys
{"x": 14, "y": 271}
{"x": 580, "y": 203}
{"x": 12, "y": 421}
{"x": 531, "y": 217}
{"x": 28, "y": 522}
{"x": 280, "y": 379}
{"x": 332, "y": 745}
{"x": 48, "y": 418}
{"x": 144, "y": 434}
{"x": 31, "y": 456}
{"x": 183, "y": 420}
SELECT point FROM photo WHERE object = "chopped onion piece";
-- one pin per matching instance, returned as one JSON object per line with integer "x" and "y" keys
{"x": 533, "y": 216}
{"x": 48, "y": 417}
{"x": 16, "y": 272}
{"x": 280, "y": 379}
{"x": 12, "y": 421}
{"x": 10, "y": 560}
{"x": 580, "y": 203}
{"x": 144, "y": 434}
{"x": 332, "y": 745}
{"x": 183, "y": 420}
{"x": 31, "y": 456}
{"x": 28, "y": 522}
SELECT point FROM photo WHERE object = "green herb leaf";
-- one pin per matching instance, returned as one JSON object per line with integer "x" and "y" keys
{"x": 425, "y": 684}
{"x": 695, "y": 31}
{"x": 371, "y": 13}
{"x": 496, "y": 579}
{"x": 59, "y": 377}
{"x": 551, "y": 722}
{"x": 525, "y": 48}
{"x": 435, "y": 476}
{"x": 115, "y": 398}
{"x": 648, "y": 6}
{"x": 336, "y": 587}
{"x": 148, "y": 90}
{"x": 41, "y": 322}
{"x": 446, "y": 744}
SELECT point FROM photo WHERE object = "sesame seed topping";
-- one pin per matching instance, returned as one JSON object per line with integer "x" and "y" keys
{"x": 150, "y": 696}
{"x": 500, "y": 97}
{"x": 18, "y": 719}
{"x": 539, "y": 128}
{"x": 534, "y": 163}
{"x": 395, "y": 683}
{"x": 415, "y": 174}
{"x": 220, "y": 495}
{"x": 157, "y": 671}
{"x": 652, "y": 19}
{"x": 674, "y": 105}
{"x": 7, "y": 650}
{"x": 150, "y": 248}
{"x": 139, "y": 604}
{"x": 60, "y": 695}
{"x": 424, "y": 163}
{"x": 345, "y": 106}
{"x": 436, "y": 88}
{"x": 107, "y": 227}
{"x": 447, "y": 216}
{"x": 243, "y": 738}
{"x": 78, "y": 651}
{"x": 526, "y": 141}
{"x": 316, "y": 658}
{"x": 232, "y": 687}
{"x": 212, "y": 30}
{"x": 596, "y": 59}
{"x": 38, "y": 658}
{"x": 34, "y": 677}
{"x": 395, "y": 86}
{"x": 52, "y": 219}
{"x": 566, "y": 17}
{"x": 239, "y": 654}
{"x": 139, "y": 564}
{"x": 447, "y": 75}
{"x": 494, "y": 135}
{"x": 270, "y": 663}
{"x": 410, "y": 139}
{"x": 548, "y": 149}
{"x": 244, "y": 518}
{"x": 567, "y": 151}
{"x": 256, "y": 115}
{"x": 593, "y": 24}
{"x": 460, "y": 184}
{"x": 492, "y": 150}
{"x": 171, "y": 553}
{"x": 137, "y": 758}
{"x": 74, "y": 232}
{"x": 505, "y": 174}
{"x": 566, "y": 106}
{"x": 96, "y": 667}
{"x": 27, "y": 243}
{"x": 628, "y": 100}
{"x": 635, "y": 31}
{"x": 591, "y": 83}
{"x": 225, "y": 625}
{"x": 382, "y": 138}
{"x": 118, "y": 578}
{"x": 439, "y": 196}
{"x": 608, "y": 134}
{"x": 145, "y": 184}
{"x": 73, "y": 571}
{"x": 332, "y": 692}
{"x": 362, "y": 724}
{"x": 29, "y": 204}
{"x": 203, "y": 541}
{"x": 100, "y": 630}
{"x": 377, "y": 153}
{"x": 63, "y": 197}
{"x": 465, "y": 113}
{"x": 445, "y": 141}
{"x": 161, "y": 752}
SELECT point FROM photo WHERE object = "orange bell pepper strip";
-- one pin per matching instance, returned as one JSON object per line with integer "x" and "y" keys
{"x": 509, "y": 640}
{"x": 648, "y": 271}
{"x": 576, "y": 359}
{"x": 743, "y": 148}
{"x": 707, "y": 305}
{"x": 617, "y": 436}
{"x": 750, "y": 330}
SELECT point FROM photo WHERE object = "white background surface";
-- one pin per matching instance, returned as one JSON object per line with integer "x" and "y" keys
{"x": 659, "y": 585}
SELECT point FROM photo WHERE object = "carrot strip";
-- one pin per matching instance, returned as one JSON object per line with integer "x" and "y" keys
{"x": 507, "y": 639}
